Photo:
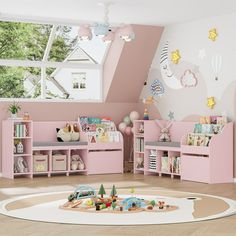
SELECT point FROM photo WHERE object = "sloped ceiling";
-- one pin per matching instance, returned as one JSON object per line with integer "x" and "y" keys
{"x": 127, "y": 64}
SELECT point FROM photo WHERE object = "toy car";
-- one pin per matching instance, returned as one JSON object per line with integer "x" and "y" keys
{"x": 84, "y": 191}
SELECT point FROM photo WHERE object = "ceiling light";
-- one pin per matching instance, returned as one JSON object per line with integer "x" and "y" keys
{"x": 126, "y": 33}
{"x": 104, "y": 30}
{"x": 109, "y": 37}
{"x": 101, "y": 30}
{"x": 84, "y": 33}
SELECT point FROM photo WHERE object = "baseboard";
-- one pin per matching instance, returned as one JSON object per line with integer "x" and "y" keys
{"x": 1, "y": 175}
{"x": 234, "y": 180}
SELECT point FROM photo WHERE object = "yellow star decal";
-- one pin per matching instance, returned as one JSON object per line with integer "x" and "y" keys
{"x": 211, "y": 102}
{"x": 212, "y": 34}
{"x": 175, "y": 56}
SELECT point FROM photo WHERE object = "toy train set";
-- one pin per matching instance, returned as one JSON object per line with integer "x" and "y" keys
{"x": 85, "y": 199}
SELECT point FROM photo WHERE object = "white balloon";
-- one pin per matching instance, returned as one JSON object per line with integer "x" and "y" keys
{"x": 134, "y": 115}
{"x": 122, "y": 126}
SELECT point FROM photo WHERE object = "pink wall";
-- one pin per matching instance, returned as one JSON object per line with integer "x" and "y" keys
{"x": 126, "y": 82}
{"x": 56, "y": 111}
{"x": 111, "y": 62}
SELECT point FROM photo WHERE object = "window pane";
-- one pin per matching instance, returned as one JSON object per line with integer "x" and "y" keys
{"x": 67, "y": 47}
{"x": 23, "y": 40}
{"x": 61, "y": 83}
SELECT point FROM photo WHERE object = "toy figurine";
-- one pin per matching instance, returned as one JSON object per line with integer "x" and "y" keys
{"x": 113, "y": 205}
{"x": 20, "y": 148}
{"x": 161, "y": 204}
{"x": 145, "y": 114}
{"x": 141, "y": 129}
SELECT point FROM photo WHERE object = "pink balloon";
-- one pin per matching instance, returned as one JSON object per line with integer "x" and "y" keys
{"x": 128, "y": 130}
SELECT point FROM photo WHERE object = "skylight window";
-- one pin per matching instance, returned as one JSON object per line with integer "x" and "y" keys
{"x": 41, "y": 61}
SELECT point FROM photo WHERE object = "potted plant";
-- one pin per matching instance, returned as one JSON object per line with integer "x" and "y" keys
{"x": 14, "y": 108}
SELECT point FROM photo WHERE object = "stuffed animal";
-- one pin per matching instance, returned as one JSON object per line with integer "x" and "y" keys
{"x": 77, "y": 162}
{"x": 74, "y": 132}
{"x": 164, "y": 132}
{"x": 68, "y": 133}
{"x": 20, "y": 165}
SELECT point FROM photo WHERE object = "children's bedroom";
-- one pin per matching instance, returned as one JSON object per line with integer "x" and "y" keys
{"x": 117, "y": 117}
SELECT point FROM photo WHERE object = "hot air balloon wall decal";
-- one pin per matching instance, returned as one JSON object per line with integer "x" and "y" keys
{"x": 216, "y": 64}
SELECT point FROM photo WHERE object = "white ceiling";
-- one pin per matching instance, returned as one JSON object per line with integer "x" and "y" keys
{"x": 147, "y": 12}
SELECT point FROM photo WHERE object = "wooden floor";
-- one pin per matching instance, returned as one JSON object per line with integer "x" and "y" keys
{"x": 12, "y": 226}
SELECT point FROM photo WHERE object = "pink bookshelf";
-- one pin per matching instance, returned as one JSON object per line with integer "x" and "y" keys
{"x": 99, "y": 158}
{"x": 9, "y": 139}
{"x": 211, "y": 164}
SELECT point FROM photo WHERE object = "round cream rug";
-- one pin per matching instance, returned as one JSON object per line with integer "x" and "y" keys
{"x": 188, "y": 207}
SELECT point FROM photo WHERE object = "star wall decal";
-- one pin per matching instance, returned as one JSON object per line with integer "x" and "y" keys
{"x": 211, "y": 102}
{"x": 171, "y": 115}
{"x": 175, "y": 56}
{"x": 212, "y": 34}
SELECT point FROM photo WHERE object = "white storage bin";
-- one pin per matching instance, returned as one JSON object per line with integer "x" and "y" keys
{"x": 59, "y": 162}
{"x": 40, "y": 163}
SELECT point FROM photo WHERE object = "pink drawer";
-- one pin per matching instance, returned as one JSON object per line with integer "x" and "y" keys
{"x": 105, "y": 162}
{"x": 195, "y": 168}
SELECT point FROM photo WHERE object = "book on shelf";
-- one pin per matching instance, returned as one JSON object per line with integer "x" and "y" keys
{"x": 220, "y": 120}
{"x": 175, "y": 165}
{"x": 109, "y": 136}
{"x": 139, "y": 144}
{"x": 190, "y": 139}
{"x": 208, "y": 128}
{"x": 198, "y": 139}
{"x": 20, "y": 130}
{"x": 165, "y": 164}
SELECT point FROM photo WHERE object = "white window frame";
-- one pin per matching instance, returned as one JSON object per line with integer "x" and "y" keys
{"x": 44, "y": 64}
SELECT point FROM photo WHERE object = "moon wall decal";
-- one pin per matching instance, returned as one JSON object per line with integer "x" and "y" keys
{"x": 168, "y": 76}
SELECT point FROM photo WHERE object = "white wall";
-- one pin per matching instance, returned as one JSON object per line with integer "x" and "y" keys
{"x": 189, "y": 38}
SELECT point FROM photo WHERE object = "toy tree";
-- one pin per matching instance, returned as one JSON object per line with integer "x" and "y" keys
{"x": 153, "y": 203}
{"x": 102, "y": 191}
{"x": 113, "y": 205}
{"x": 113, "y": 191}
